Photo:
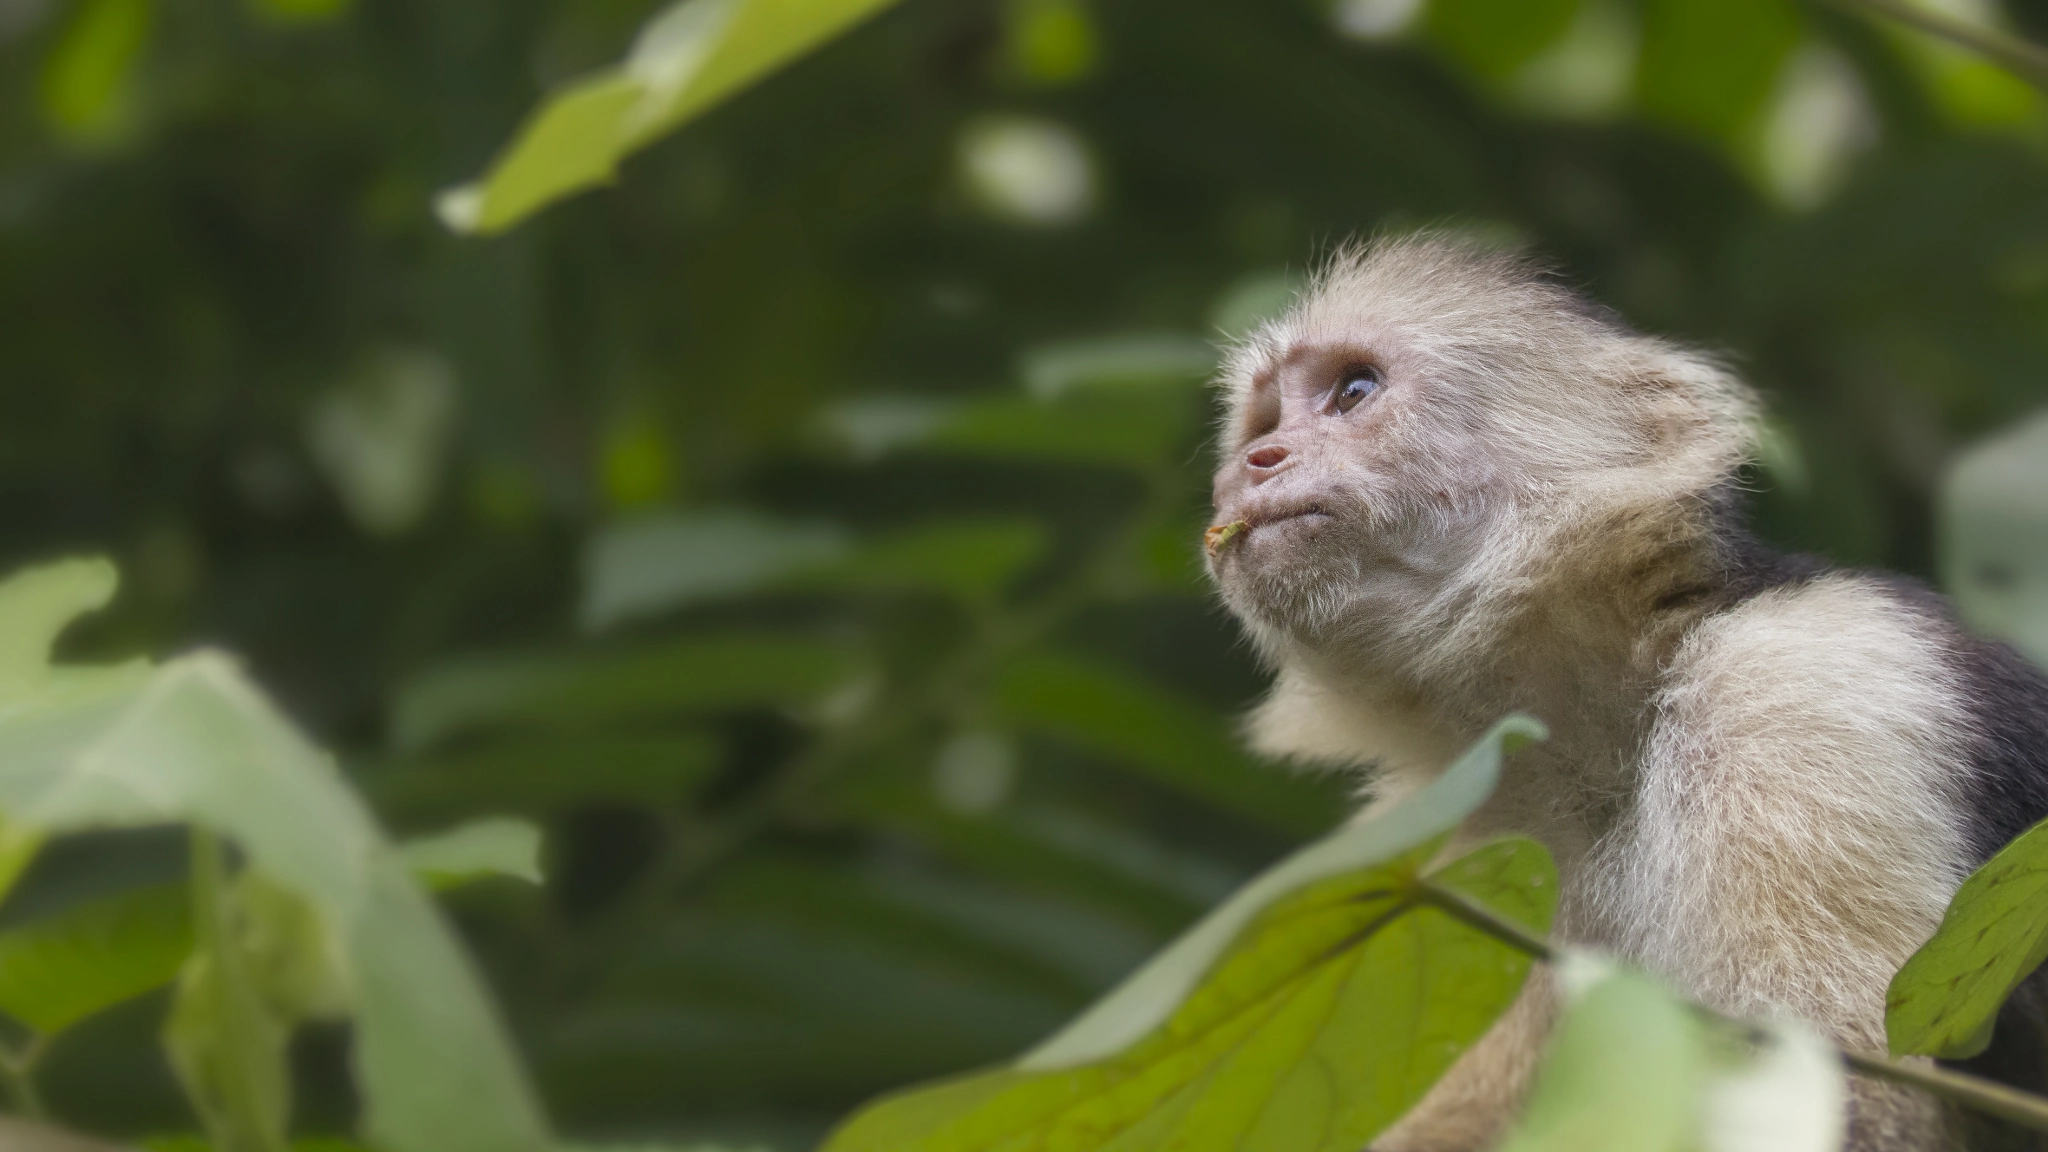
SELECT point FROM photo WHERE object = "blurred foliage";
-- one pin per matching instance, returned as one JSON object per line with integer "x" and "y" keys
{"x": 803, "y": 530}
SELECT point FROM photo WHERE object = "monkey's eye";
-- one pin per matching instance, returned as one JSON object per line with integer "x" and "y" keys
{"x": 1355, "y": 385}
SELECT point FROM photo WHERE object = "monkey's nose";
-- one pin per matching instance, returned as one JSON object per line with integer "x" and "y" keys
{"x": 1265, "y": 459}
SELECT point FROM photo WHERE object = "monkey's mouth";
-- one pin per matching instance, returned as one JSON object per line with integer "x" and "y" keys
{"x": 1247, "y": 526}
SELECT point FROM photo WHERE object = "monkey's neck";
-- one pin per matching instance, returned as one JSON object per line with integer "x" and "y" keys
{"x": 1578, "y": 641}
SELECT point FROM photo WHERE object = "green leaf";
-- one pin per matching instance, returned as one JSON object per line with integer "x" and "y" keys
{"x": 56, "y": 972}
{"x": 1632, "y": 1068}
{"x": 1052, "y": 370}
{"x": 974, "y": 561}
{"x": 1146, "y": 999}
{"x": 36, "y": 605}
{"x": 701, "y": 674}
{"x": 654, "y": 564}
{"x": 494, "y": 846}
{"x": 1622, "y": 1073}
{"x": 1305, "y": 1034}
{"x": 191, "y": 740}
{"x": 1495, "y": 37}
{"x": 1945, "y": 1000}
{"x": 658, "y": 564}
{"x": 1134, "y": 429}
{"x": 689, "y": 57}
{"x": 1174, "y": 742}
{"x": 87, "y": 79}
{"x": 1710, "y": 66}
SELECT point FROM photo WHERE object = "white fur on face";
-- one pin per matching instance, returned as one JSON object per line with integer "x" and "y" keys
{"x": 1510, "y": 416}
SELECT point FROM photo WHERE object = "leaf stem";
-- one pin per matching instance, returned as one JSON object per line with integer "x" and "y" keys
{"x": 1989, "y": 1096}
{"x": 2022, "y": 57}
{"x": 1485, "y": 919}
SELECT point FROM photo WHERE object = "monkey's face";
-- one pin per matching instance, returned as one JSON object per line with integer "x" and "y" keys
{"x": 1431, "y": 425}
{"x": 1361, "y": 481}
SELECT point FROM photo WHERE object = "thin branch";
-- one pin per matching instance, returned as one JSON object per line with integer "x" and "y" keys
{"x": 2021, "y": 57}
{"x": 2023, "y": 1108}
{"x": 1988, "y": 1096}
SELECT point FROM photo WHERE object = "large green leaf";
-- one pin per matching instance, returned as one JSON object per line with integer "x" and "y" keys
{"x": 1337, "y": 1007}
{"x": 56, "y": 972}
{"x": 1632, "y": 1068}
{"x": 192, "y": 741}
{"x": 1296, "y": 1016}
{"x": 704, "y": 673}
{"x": 1168, "y": 739}
{"x": 690, "y": 56}
{"x": 1945, "y": 1000}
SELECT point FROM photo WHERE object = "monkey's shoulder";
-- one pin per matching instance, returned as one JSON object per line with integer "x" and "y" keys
{"x": 1852, "y": 681}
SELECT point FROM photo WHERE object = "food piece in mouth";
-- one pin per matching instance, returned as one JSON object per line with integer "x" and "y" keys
{"x": 1221, "y": 534}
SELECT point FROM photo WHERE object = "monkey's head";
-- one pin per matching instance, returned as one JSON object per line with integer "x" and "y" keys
{"x": 1434, "y": 427}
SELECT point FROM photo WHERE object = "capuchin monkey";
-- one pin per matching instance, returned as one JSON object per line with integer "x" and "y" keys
{"x": 1451, "y": 489}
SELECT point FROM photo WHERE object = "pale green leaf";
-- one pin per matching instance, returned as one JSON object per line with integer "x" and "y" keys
{"x": 36, "y": 604}
{"x": 1051, "y": 370}
{"x": 1783, "y": 1091}
{"x": 701, "y": 674}
{"x": 494, "y": 846}
{"x": 1945, "y": 1000}
{"x": 1994, "y": 536}
{"x": 689, "y": 57}
{"x": 654, "y": 564}
{"x": 192, "y": 741}
{"x": 1306, "y": 1035}
{"x": 56, "y": 972}
{"x": 1623, "y": 1072}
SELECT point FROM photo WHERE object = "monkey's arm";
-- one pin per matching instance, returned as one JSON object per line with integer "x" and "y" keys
{"x": 1798, "y": 825}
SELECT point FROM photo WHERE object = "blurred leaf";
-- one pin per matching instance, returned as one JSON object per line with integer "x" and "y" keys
{"x": 1136, "y": 429}
{"x": 973, "y": 560}
{"x": 1051, "y": 42}
{"x": 56, "y": 972}
{"x": 653, "y": 564}
{"x": 1621, "y": 1074}
{"x": 1146, "y": 999}
{"x": 689, "y": 56}
{"x": 1631, "y": 1068}
{"x": 1174, "y": 742}
{"x": 226, "y": 1045}
{"x": 134, "y": 745}
{"x": 1710, "y": 66}
{"x": 637, "y": 466}
{"x": 494, "y": 846}
{"x": 303, "y": 10}
{"x": 39, "y": 603}
{"x": 288, "y": 955}
{"x": 1945, "y": 1000}
{"x": 541, "y": 774}
{"x": 1052, "y": 370}
{"x": 700, "y": 674}
{"x": 88, "y": 77}
{"x": 1494, "y": 37}
{"x": 1994, "y": 536}
{"x": 1300, "y": 1037}
{"x": 382, "y": 435}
